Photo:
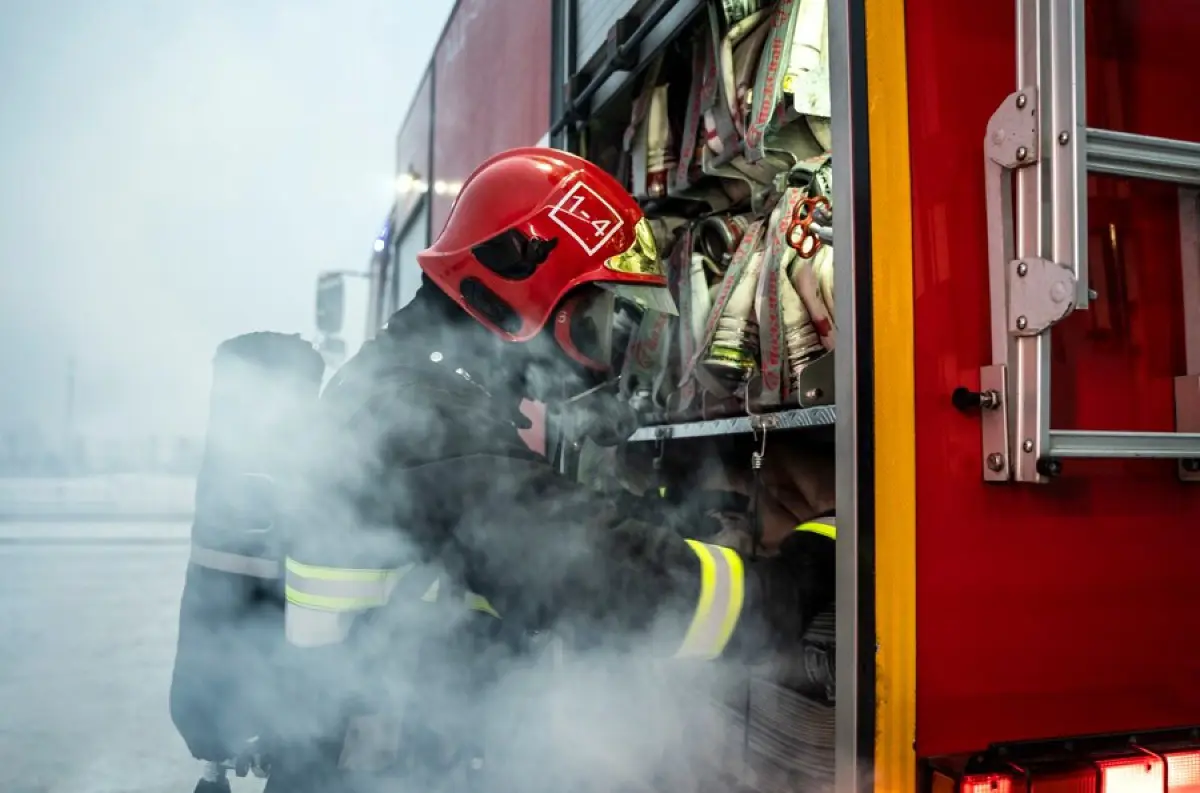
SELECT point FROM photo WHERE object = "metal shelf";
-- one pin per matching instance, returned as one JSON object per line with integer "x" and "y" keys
{"x": 796, "y": 418}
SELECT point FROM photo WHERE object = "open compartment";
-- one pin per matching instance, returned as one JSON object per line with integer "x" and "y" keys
{"x": 722, "y": 130}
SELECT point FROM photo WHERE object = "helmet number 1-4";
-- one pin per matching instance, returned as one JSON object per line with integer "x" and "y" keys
{"x": 589, "y": 219}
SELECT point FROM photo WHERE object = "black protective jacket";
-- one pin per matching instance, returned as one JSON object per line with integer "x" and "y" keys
{"x": 418, "y": 466}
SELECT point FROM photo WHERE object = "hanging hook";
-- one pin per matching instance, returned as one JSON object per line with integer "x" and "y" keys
{"x": 757, "y": 427}
{"x": 660, "y": 449}
{"x": 756, "y": 459}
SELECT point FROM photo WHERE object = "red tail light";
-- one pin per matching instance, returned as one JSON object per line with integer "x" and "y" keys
{"x": 1183, "y": 772}
{"x": 989, "y": 783}
{"x": 1175, "y": 772}
{"x": 1142, "y": 774}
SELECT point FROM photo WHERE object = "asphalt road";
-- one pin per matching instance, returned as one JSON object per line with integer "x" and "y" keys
{"x": 89, "y": 613}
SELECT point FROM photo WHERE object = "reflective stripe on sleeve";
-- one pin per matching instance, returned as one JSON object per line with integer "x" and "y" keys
{"x": 472, "y": 600}
{"x": 826, "y": 527}
{"x": 340, "y": 589}
{"x": 722, "y": 592}
{"x": 305, "y": 626}
{"x": 480, "y": 603}
{"x": 323, "y": 602}
{"x": 238, "y": 564}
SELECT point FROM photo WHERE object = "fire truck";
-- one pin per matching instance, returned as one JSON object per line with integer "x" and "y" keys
{"x": 1014, "y": 391}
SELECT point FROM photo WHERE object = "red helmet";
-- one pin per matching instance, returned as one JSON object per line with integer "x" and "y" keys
{"x": 532, "y": 224}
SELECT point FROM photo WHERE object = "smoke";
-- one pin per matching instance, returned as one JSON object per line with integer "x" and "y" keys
{"x": 163, "y": 228}
{"x": 172, "y": 174}
{"x": 403, "y": 465}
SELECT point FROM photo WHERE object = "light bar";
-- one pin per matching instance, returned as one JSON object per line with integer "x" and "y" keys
{"x": 1143, "y": 772}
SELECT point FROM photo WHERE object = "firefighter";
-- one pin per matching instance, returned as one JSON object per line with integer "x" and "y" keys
{"x": 422, "y": 490}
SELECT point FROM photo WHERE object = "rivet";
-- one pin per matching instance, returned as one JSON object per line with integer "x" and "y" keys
{"x": 1027, "y": 445}
{"x": 1022, "y": 323}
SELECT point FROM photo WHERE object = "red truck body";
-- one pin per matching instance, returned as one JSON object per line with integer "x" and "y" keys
{"x": 1030, "y": 612}
{"x": 1073, "y": 607}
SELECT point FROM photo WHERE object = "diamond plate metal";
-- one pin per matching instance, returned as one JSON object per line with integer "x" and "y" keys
{"x": 825, "y": 415}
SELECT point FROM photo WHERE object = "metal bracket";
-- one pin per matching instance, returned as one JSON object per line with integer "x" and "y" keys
{"x": 814, "y": 386}
{"x": 995, "y": 426}
{"x": 1040, "y": 293}
{"x": 1012, "y": 132}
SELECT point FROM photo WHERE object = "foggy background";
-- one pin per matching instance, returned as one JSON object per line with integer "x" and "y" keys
{"x": 173, "y": 174}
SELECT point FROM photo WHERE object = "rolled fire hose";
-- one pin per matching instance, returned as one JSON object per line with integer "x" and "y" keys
{"x": 822, "y": 265}
{"x": 660, "y": 158}
{"x": 807, "y": 285}
{"x": 807, "y": 77}
{"x": 733, "y": 351}
{"x": 716, "y": 239}
{"x": 702, "y": 295}
{"x": 735, "y": 54}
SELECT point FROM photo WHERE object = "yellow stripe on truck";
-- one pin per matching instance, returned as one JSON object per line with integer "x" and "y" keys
{"x": 895, "y": 428}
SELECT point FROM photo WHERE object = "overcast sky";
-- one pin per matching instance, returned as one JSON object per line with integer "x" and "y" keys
{"x": 172, "y": 174}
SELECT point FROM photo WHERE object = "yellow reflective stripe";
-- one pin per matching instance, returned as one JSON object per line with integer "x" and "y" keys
{"x": 826, "y": 527}
{"x": 339, "y": 589}
{"x": 722, "y": 593}
{"x": 333, "y": 602}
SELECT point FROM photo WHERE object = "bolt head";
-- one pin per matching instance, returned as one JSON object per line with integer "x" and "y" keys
{"x": 1022, "y": 323}
{"x": 1027, "y": 445}
{"x": 1022, "y": 269}
{"x": 1022, "y": 100}
{"x": 995, "y": 461}
{"x": 1064, "y": 138}
{"x": 1022, "y": 152}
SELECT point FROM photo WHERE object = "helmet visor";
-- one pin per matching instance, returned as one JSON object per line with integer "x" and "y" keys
{"x": 641, "y": 258}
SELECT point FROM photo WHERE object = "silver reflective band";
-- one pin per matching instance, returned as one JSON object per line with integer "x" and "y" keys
{"x": 238, "y": 564}
{"x": 304, "y": 626}
{"x": 722, "y": 592}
